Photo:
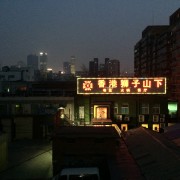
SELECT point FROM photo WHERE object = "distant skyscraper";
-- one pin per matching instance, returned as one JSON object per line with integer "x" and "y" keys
{"x": 101, "y": 71}
{"x": 43, "y": 65}
{"x": 32, "y": 61}
{"x": 43, "y": 61}
{"x": 113, "y": 68}
{"x": 67, "y": 67}
{"x": 106, "y": 66}
{"x": 72, "y": 64}
{"x": 93, "y": 68}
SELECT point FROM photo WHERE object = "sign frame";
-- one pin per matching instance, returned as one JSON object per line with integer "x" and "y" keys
{"x": 121, "y": 85}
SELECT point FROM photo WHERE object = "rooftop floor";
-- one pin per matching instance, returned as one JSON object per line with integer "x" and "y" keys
{"x": 157, "y": 156}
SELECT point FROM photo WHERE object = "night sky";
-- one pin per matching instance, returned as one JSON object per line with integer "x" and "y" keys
{"x": 85, "y": 29}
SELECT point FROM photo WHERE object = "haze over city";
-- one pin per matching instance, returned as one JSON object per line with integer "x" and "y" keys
{"x": 85, "y": 29}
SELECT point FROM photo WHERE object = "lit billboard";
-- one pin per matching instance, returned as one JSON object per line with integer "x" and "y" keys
{"x": 122, "y": 85}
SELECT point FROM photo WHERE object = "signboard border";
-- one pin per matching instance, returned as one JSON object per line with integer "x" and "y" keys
{"x": 118, "y": 78}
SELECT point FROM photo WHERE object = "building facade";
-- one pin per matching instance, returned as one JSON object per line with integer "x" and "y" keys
{"x": 66, "y": 68}
{"x": 29, "y": 109}
{"x": 32, "y": 61}
{"x": 47, "y": 103}
{"x": 128, "y": 102}
{"x": 110, "y": 68}
{"x": 72, "y": 65}
{"x": 94, "y": 67}
{"x": 158, "y": 54}
{"x": 43, "y": 59}
{"x": 17, "y": 74}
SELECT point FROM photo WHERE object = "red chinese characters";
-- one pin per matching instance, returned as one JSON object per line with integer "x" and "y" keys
{"x": 122, "y": 85}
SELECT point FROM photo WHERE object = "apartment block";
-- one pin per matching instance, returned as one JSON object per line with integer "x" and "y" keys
{"x": 157, "y": 53}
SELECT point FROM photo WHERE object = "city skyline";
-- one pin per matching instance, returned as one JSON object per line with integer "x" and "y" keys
{"x": 84, "y": 29}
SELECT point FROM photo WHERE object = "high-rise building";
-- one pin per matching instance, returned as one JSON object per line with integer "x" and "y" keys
{"x": 43, "y": 65}
{"x": 43, "y": 61}
{"x": 150, "y": 53}
{"x": 93, "y": 68}
{"x": 112, "y": 68}
{"x": 157, "y": 53}
{"x": 32, "y": 61}
{"x": 106, "y": 66}
{"x": 72, "y": 64}
{"x": 101, "y": 70}
{"x": 67, "y": 67}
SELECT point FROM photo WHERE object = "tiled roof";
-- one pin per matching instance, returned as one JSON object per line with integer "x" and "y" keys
{"x": 157, "y": 156}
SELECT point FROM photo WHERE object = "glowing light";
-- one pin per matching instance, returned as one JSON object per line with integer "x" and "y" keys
{"x": 42, "y": 53}
{"x": 172, "y": 106}
{"x": 155, "y": 127}
{"x": 124, "y": 127}
{"x": 87, "y": 85}
{"x": 121, "y": 85}
{"x": 49, "y": 69}
{"x": 144, "y": 125}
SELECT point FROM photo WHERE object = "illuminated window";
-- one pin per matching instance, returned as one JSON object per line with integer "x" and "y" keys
{"x": 18, "y": 109}
{"x": 92, "y": 110}
{"x": 101, "y": 112}
{"x": 115, "y": 110}
{"x": 8, "y": 90}
{"x": 145, "y": 108}
{"x": 81, "y": 112}
{"x": 119, "y": 117}
{"x": 172, "y": 108}
{"x": 124, "y": 127}
{"x": 125, "y": 109}
{"x": 156, "y": 109}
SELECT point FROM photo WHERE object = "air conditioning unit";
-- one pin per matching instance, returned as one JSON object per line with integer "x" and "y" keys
{"x": 141, "y": 118}
{"x": 162, "y": 119}
{"x": 119, "y": 117}
{"x": 126, "y": 118}
{"x": 155, "y": 118}
{"x": 162, "y": 125}
{"x": 162, "y": 115}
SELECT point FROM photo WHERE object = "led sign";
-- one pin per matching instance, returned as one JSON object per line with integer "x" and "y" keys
{"x": 121, "y": 85}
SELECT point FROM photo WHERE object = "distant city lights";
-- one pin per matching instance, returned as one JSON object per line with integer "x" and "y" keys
{"x": 49, "y": 69}
{"x": 42, "y": 53}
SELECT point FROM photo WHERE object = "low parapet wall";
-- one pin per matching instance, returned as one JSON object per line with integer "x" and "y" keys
{"x": 3, "y": 151}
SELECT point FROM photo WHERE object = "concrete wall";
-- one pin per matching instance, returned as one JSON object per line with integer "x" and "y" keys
{"x": 7, "y": 128}
{"x": 3, "y": 151}
{"x": 24, "y": 127}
